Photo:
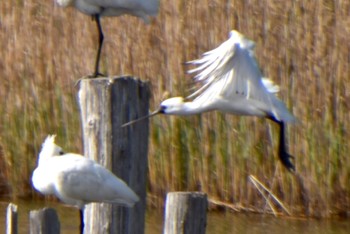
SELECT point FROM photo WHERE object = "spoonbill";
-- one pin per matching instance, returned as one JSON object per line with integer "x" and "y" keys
{"x": 77, "y": 180}
{"x": 231, "y": 82}
{"x": 97, "y": 8}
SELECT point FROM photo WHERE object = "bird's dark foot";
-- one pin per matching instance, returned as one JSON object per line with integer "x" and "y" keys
{"x": 93, "y": 76}
{"x": 96, "y": 75}
{"x": 285, "y": 159}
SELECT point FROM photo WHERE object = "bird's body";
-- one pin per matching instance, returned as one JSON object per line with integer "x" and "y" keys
{"x": 139, "y": 8}
{"x": 230, "y": 81}
{"x": 77, "y": 180}
{"x": 100, "y": 8}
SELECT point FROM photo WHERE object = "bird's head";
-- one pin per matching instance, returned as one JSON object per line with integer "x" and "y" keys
{"x": 172, "y": 106}
{"x": 49, "y": 148}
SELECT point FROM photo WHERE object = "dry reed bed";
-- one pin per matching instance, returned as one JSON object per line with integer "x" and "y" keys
{"x": 302, "y": 45}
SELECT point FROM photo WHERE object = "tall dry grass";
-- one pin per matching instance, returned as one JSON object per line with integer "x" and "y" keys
{"x": 302, "y": 45}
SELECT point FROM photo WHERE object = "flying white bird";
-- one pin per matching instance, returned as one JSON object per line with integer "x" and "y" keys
{"x": 77, "y": 180}
{"x": 97, "y": 8}
{"x": 231, "y": 81}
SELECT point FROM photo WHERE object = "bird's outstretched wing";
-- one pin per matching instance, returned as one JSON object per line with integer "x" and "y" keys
{"x": 230, "y": 72}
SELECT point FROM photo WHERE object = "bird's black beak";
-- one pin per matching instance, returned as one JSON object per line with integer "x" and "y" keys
{"x": 159, "y": 111}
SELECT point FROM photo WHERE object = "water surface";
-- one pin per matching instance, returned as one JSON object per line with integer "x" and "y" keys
{"x": 217, "y": 222}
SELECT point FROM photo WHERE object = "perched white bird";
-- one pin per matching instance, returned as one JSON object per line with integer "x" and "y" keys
{"x": 97, "y": 8}
{"x": 231, "y": 82}
{"x": 77, "y": 180}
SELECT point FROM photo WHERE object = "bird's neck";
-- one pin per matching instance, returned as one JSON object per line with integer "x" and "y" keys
{"x": 43, "y": 156}
{"x": 189, "y": 108}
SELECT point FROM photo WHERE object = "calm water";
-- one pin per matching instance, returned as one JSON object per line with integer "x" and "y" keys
{"x": 218, "y": 223}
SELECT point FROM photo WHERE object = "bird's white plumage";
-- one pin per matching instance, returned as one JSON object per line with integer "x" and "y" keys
{"x": 270, "y": 86}
{"x": 77, "y": 180}
{"x": 231, "y": 81}
{"x": 139, "y": 8}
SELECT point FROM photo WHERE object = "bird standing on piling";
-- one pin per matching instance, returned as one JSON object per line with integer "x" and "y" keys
{"x": 231, "y": 81}
{"x": 77, "y": 180}
{"x": 97, "y": 8}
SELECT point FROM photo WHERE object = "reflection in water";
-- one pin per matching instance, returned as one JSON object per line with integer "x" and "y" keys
{"x": 218, "y": 223}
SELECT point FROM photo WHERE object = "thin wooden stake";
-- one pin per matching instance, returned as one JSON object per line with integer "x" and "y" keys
{"x": 44, "y": 221}
{"x": 11, "y": 219}
{"x": 185, "y": 213}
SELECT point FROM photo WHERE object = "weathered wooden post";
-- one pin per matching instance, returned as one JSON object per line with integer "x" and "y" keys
{"x": 11, "y": 219}
{"x": 106, "y": 104}
{"x": 44, "y": 221}
{"x": 185, "y": 213}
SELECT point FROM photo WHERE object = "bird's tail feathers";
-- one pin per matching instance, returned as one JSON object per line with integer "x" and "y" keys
{"x": 127, "y": 203}
{"x": 49, "y": 148}
{"x": 281, "y": 113}
{"x": 127, "y": 196}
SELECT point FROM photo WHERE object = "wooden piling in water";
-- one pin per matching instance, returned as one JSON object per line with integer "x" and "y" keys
{"x": 11, "y": 219}
{"x": 106, "y": 104}
{"x": 186, "y": 213}
{"x": 44, "y": 221}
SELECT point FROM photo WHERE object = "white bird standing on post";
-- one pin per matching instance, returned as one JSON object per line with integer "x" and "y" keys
{"x": 97, "y": 8}
{"x": 77, "y": 180}
{"x": 231, "y": 82}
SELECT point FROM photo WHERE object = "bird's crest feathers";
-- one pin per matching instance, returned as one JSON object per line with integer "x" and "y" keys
{"x": 49, "y": 141}
{"x": 49, "y": 148}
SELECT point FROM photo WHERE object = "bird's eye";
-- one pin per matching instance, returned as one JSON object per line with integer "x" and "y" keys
{"x": 61, "y": 152}
{"x": 162, "y": 109}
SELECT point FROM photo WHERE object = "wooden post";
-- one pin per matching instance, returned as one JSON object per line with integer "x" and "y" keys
{"x": 185, "y": 213}
{"x": 44, "y": 221}
{"x": 11, "y": 219}
{"x": 106, "y": 104}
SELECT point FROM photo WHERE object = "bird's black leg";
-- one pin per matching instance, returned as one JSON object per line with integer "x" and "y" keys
{"x": 81, "y": 214}
{"x": 282, "y": 148}
{"x": 100, "y": 42}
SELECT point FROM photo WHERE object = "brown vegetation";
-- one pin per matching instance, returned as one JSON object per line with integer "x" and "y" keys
{"x": 302, "y": 45}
